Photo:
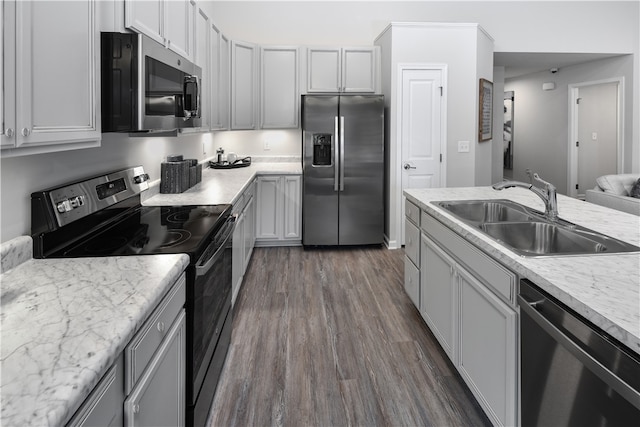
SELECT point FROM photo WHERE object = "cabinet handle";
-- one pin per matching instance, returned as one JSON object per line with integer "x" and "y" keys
{"x": 136, "y": 408}
{"x": 9, "y": 133}
{"x": 160, "y": 326}
{"x": 26, "y": 131}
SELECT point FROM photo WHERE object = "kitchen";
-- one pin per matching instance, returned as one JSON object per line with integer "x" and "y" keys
{"x": 23, "y": 175}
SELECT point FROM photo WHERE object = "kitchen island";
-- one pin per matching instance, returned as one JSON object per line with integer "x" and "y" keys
{"x": 465, "y": 285}
{"x": 603, "y": 288}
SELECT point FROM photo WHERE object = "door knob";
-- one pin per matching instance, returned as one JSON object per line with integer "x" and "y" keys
{"x": 407, "y": 166}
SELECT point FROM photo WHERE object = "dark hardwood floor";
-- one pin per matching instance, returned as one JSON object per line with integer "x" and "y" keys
{"x": 328, "y": 337}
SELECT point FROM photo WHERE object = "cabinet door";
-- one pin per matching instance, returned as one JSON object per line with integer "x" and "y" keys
{"x": 438, "y": 294}
{"x": 159, "y": 397}
{"x": 38, "y": 122}
{"x": 243, "y": 85}
{"x": 146, "y": 17}
{"x": 359, "y": 67}
{"x": 179, "y": 17}
{"x": 103, "y": 407}
{"x": 224, "y": 99}
{"x": 237, "y": 260}
{"x": 215, "y": 52}
{"x": 488, "y": 350}
{"x": 412, "y": 281}
{"x": 324, "y": 67}
{"x": 203, "y": 54}
{"x": 292, "y": 193}
{"x": 249, "y": 233}
{"x": 269, "y": 208}
{"x": 279, "y": 98}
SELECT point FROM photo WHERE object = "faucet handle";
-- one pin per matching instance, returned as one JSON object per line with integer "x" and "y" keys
{"x": 542, "y": 181}
{"x": 529, "y": 174}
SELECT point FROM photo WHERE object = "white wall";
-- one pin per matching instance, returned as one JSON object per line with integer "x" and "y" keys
{"x": 541, "y": 118}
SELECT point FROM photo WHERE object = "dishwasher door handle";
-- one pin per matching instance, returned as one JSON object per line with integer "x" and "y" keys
{"x": 597, "y": 368}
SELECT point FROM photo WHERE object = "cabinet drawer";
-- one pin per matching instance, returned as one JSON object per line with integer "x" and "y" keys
{"x": 145, "y": 343}
{"x": 495, "y": 276}
{"x": 412, "y": 281}
{"x": 412, "y": 212}
{"x": 412, "y": 242}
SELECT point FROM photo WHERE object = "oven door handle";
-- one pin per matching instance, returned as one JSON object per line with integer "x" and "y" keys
{"x": 203, "y": 266}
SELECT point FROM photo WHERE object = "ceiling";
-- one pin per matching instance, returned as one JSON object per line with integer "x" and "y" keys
{"x": 520, "y": 63}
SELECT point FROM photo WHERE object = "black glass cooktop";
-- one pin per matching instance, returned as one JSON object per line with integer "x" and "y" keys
{"x": 154, "y": 230}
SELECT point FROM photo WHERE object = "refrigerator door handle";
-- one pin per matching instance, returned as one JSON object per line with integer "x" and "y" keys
{"x": 336, "y": 176}
{"x": 341, "y": 153}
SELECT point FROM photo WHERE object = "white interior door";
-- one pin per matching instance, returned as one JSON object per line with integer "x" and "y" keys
{"x": 421, "y": 133}
{"x": 597, "y": 133}
{"x": 595, "y": 140}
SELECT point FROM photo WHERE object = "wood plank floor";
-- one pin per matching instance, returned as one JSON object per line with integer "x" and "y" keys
{"x": 328, "y": 337}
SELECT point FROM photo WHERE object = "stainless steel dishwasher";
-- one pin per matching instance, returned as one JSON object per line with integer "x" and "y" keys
{"x": 572, "y": 373}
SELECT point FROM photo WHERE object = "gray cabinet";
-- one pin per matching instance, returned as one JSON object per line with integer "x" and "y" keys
{"x": 467, "y": 299}
{"x": 103, "y": 407}
{"x": 244, "y": 236}
{"x": 279, "y": 95}
{"x": 169, "y": 22}
{"x": 244, "y": 85}
{"x": 146, "y": 384}
{"x": 438, "y": 295}
{"x": 204, "y": 52}
{"x": 342, "y": 69}
{"x": 32, "y": 120}
{"x": 279, "y": 210}
{"x": 158, "y": 398}
{"x": 412, "y": 253}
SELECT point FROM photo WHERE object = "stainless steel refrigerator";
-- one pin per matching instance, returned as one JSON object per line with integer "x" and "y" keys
{"x": 343, "y": 169}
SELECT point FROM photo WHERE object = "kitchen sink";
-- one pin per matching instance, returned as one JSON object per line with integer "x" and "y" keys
{"x": 488, "y": 210}
{"x": 529, "y": 233}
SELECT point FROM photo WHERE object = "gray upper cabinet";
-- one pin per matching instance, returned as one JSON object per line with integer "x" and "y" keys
{"x": 342, "y": 69}
{"x": 219, "y": 79}
{"x": 279, "y": 95}
{"x": 203, "y": 58}
{"x": 33, "y": 87}
{"x": 244, "y": 85}
{"x": 169, "y": 22}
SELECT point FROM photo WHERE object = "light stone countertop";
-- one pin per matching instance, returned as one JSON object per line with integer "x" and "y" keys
{"x": 65, "y": 321}
{"x": 219, "y": 186}
{"x": 604, "y": 288}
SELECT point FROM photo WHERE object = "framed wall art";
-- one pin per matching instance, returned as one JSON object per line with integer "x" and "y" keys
{"x": 485, "y": 119}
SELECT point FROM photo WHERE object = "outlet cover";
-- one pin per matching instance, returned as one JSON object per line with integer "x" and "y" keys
{"x": 267, "y": 145}
{"x": 463, "y": 146}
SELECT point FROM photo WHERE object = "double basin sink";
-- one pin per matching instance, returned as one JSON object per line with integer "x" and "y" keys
{"x": 529, "y": 233}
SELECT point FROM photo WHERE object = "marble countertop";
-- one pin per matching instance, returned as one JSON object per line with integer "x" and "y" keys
{"x": 605, "y": 289}
{"x": 219, "y": 185}
{"x": 63, "y": 323}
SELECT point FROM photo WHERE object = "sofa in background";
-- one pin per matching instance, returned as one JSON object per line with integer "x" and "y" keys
{"x": 613, "y": 192}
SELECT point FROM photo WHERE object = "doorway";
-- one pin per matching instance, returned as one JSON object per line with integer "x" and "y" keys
{"x": 421, "y": 129}
{"x": 595, "y": 137}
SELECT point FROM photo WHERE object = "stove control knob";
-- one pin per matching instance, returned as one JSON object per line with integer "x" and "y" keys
{"x": 77, "y": 201}
{"x": 64, "y": 206}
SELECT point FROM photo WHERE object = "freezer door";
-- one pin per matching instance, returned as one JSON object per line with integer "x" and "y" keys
{"x": 361, "y": 206}
{"x": 319, "y": 170}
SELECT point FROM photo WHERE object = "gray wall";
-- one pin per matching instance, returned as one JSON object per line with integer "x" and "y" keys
{"x": 542, "y": 117}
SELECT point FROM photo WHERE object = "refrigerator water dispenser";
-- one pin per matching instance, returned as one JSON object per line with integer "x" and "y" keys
{"x": 321, "y": 149}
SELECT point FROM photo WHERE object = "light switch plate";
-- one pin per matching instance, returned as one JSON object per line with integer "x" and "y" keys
{"x": 463, "y": 146}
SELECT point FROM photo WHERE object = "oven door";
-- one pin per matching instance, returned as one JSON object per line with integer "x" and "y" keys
{"x": 210, "y": 304}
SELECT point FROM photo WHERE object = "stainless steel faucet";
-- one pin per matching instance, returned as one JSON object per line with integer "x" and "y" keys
{"x": 548, "y": 194}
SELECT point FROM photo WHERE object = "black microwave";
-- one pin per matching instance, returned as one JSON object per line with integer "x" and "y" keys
{"x": 146, "y": 87}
